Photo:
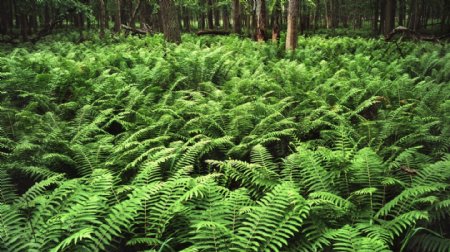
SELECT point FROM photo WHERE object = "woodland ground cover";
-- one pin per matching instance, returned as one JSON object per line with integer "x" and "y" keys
{"x": 224, "y": 144}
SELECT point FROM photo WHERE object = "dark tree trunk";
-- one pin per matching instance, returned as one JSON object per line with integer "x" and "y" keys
{"x": 389, "y": 24}
{"x": 291, "y": 36}
{"x": 328, "y": 13}
{"x": 445, "y": 17}
{"x": 376, "y": 15}
{"x": 171, "y": 26}
{"x": 217, "y": 16}
{"x": 210, "y": 15}
{"x": 134, "y": 13}
{"x": 261, "y": 20}
{"x": 4, "y": 16}
{"x": 23, "y": 26}
{"x": 117, "y": 18}
{"x": 202, "y": 21}
{"x": 401, "y": 12}
{"x": 412, "y": 22}
{"x": 334, "y": 13}
{"x": 186, "y": 20}
{"x": 226, "y": 19}
{"x": 276, "y": 15}
{"x": 382, "y": 16}
{"x": 102, "y": 18}
{"x": 236, "y": 17}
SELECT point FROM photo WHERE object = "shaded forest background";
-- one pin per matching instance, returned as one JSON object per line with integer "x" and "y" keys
{"x": 30, "y": 20}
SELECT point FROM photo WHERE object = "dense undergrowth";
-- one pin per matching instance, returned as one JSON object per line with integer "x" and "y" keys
{"x": 223, "y": 144}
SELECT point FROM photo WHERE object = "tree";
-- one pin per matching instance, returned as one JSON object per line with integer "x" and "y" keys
{"x": 291, "y": 36}
{"x": 169, "y": 16}
{"x": 276, "y": 16}
{"x": 389, "y": 15}
{"x": 236, "y": 16}
{"x": 260, "y": 20}
{"x": 102, "y": 18}
{"x": 117, "y": 18}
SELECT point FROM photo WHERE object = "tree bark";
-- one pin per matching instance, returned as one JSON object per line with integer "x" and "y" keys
{"x": 186, "y": 19}
{"x": 117, "y": 18}
{"x": 134, "y": 13}
{"x": 102, "y": 18}
{"x": 260, "y": 20}
{"x": 171, "y": 26}
{"x": 276, "y": 15}
{"x": 382, "y": 16}
{"x": 389, "y": 16}
{"x": 216, "y": 16}
{"x": 210, "y": 15}
{"x": 24, "y": 26}
{"x": 401, "y": 12}
{"x": 236, "y": 17}
{"x": 291, "y": 36}
{"x": 412, "y": 22}
{"x": 226, "y": 19}
{"x": 376, "y": 15}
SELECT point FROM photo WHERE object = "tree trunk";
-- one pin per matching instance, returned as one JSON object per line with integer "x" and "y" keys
{"x": 210, "y": 15}
{"x": 117, "y": 19}
{"x": 202, "y": 21}
{"x": 102, "y": 18}
{"x": 171, "y": 26}
{"x": 316, "y": 16}
{"x": 401, "y": 12}
{"x": 276, "y": 15}
{"x": 24, "y": 26}
{"x": 216, "y": 16}
{"x": 134, "y": 13}
{"x": 334, "y": 14}
{"x": 412, "y": 22}
{"x": 382, "y": 15}
{"x": 187, "y": 20}
{"x": 226, "y": 19}
{"x": 445, "y": 16}
{"x": 236, "y": 17}
{"x": 376, "y": 15}
{"x": 291, "y": 36}
{"x": 389, "y": 24}
{"x": 260, "y": 20}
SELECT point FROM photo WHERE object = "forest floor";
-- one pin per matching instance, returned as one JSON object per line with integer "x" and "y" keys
{"x": 224, "y": 144}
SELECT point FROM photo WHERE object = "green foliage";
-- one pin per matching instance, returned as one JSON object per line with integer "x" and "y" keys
{"x": 223, "y": 144}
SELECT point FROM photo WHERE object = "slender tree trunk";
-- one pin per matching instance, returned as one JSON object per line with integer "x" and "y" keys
{"x": 226, "y": 19}
{"x": 376, "y": 15}
{"x": 276, "y": 13}
{"x": 24, "y": 27}
{"x": 382, "y": 16}
{"x": 291, "y": 36}
{"x": 236, "y": 17}
{"x": 316, "y": 16}
{"x": 3, "y": 17}
{"x": 401, "y": 12}
{"x": 444, "y": 16}
{"x": 134, "y": 13}
{"x": 216, "y": 16}
{"x": 328, "y": 14}
{"x": 412, "y": 23}
{"x": 335, "y": 14}
{"x": 186, "y": 20}
{"x": 389, "y": 16}
{"x": 117, "y": 18}
{"x": 261, "y": 20}
{"x": 102, "y": 18}
{"x": 202, "y": 21}
{"x": 171, "y": 26}
{"x": 210, "y": 15}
